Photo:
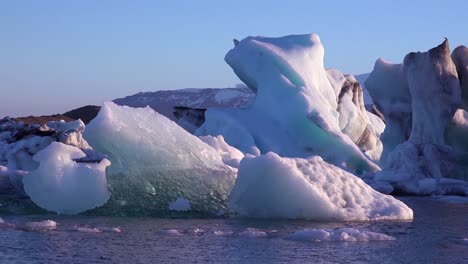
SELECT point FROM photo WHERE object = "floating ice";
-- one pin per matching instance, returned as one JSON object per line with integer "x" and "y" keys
{"x": 340, "y": 234}
{"x": 253, "y": 233}
{"x": 171, "y": 232}
{"x": 180, "y": 204}
{"x": 63, "y": 185}
{"x": 269, "y": 186}
{"x": 295, "y": 110}
{"x": 222, "y": 233}
{"x": 155, "y": 161}
{"x": 85, "y": 229}
{"x": 41, "y": 226}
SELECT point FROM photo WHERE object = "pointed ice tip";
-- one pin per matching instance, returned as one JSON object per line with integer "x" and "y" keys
{"x": 443, "y": 47}
{"x": 236, "y": 42}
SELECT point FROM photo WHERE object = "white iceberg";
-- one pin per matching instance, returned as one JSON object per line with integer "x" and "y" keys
{"x": 62, "y": 185}
{"x": 269, "y": 186}
{"x": 294, "y": 112}
{"x": 155, "y": 161}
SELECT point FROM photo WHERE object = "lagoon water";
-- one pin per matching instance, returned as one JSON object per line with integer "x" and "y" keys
{"x": 438, "y": 234}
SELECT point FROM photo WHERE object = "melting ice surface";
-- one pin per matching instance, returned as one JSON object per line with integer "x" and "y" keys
{"x": 155, "y": 162}
{"x": 63, "y": 185}
{"x": 270, "y": 186}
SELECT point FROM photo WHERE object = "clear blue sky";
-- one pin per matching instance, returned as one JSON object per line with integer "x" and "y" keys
{"x": 57, "y": 55}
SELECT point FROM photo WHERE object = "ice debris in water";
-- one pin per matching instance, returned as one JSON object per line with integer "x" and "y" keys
{"x": 155, "y": 161}
{"x": 223, "y": 232}
{"x": 171, "y": 232}
{"x": 270, "y": 186}
{"x": 85, "y": 229}
{"x": 39, "y": 226}
{"x": 341, "y": 234}
{"x": 181, "y": 204}
{"x": 253, "y": 233}
{"x": 100, "y": 229}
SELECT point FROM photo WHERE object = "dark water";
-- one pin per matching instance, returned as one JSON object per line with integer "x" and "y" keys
{"x": 435, "y": 236}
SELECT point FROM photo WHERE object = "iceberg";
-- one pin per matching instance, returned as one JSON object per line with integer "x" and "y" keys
{"x": 270, "y": 186}
{"x": 425, "y": 136}
{"x": 62, "y": 185}
{"x": 294, "y": 112}
{"x": 155, "y": 161}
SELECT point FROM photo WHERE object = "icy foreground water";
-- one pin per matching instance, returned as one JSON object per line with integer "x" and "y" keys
{"x": 437, "y": 235}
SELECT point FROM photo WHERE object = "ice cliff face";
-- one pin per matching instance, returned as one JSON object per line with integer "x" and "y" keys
{"x": 419, "y": 99}
{"x": 295, "y": 111}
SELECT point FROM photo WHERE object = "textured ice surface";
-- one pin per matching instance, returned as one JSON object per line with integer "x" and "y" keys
{"x": 155, "y": 161}
{"x": 425, "y": 135}
{"x": 341, "y": 234}
{"x": 63, "y": 185}
{"x": 269, "y": 186}
{"x": 231, "y": 156}
{"x": 294, "y": 112}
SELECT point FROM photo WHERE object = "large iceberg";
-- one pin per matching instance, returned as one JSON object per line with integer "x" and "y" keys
{"x": 155, "y": 161}
{"x": 295, "y": 109}
{"x": 270, "y": 186}
{"x": 425, "y": 134}
{"x": 60, "y": 184}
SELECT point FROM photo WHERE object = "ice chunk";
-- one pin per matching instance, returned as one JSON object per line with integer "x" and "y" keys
{"x": 85, "y": 229}
{"x": 171, "y": 232}
{"x": 181, "y": 204}
{"x": 341, "y": 234}
{"x": 253, "y": 233}
{"x": 62, "y": 185}
{"x": 155, "y": 161}
{"x": 294, "y": 113}
{"x": 41, "y": 226}
{"x": 269, "y": 186}
{"x": 222, "y": 233}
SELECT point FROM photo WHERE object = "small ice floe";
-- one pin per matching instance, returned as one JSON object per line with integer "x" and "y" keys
{"x": 465, "y": 241}
{"x": 110, "y": 229}
{"x": 198, "y": 231}
{"x": 222, "y": 233}
{"x": 171, "y": 232}
{"x": 181, "y": 204}
{"x": 253, "y": 233}
{"x": 2, "y": 221}
{"x": 41, "y": 226}
{"x": 100, "y": 229}
{"x": 340, "y": 234}
{"x": 85, "y": 229}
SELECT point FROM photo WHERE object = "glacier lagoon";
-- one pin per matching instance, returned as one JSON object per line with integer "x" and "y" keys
{"x": 322, "y": 156}
{"x": 438, "y": 234}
